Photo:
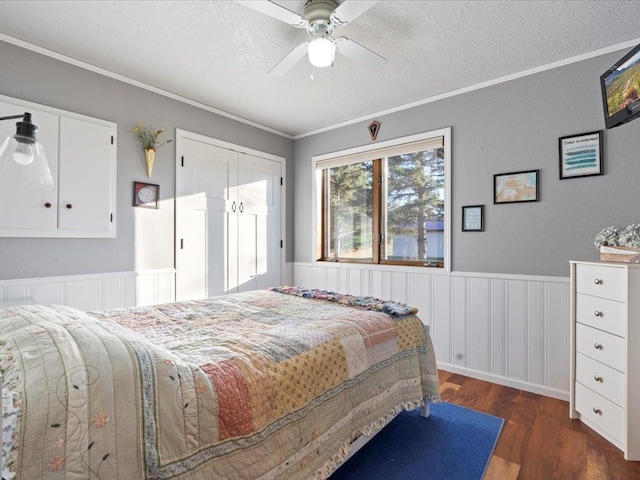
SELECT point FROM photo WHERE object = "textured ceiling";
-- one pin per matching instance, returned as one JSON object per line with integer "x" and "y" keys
{"x": 218, "y": 53}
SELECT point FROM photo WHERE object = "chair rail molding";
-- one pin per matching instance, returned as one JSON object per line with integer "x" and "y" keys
{"x": 509, "y": 329}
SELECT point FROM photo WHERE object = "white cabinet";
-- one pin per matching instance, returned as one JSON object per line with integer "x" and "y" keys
{"x": 605, "y": 358}
{"x": 228, "y": 229}
{"x": 81, "y": 152}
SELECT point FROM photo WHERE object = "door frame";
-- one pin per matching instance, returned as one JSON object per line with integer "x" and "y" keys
{"x": 182, "y": 135}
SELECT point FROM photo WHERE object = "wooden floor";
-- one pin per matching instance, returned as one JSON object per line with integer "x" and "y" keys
{"x": 538, "y": 441}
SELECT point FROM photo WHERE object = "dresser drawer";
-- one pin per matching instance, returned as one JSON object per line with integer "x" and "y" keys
{"x": 602, "y": 281}
{"x": 601, "y": 346}
{"x": 607, "y": 315}
{"x": 600, "y": 411}
{"x": 600, "y": 378}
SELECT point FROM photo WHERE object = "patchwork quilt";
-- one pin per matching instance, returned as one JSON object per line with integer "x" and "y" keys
{"x": 256, "y": 385}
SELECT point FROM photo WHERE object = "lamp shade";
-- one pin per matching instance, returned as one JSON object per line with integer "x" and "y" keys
{"x": 23, "y": 161}
{"x": 321, "y": 52}
{"x": 22, "y": 158}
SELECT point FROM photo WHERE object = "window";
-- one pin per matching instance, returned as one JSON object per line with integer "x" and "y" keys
{"x": 387, "y": 205}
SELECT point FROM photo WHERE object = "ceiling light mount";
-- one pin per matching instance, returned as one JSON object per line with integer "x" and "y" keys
{"x": 316, "y": 11}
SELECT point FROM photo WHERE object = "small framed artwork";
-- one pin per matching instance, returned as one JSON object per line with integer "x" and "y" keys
{"x": 472, "y": 218}
{"x": 515, "y": 187}
{"x": 146, "y": 195}
{"x": 581, "y": 155}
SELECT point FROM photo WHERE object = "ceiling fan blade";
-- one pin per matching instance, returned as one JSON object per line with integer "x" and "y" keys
{"x": 358, "y": 53}
{"x": 350, "y": 10}
{"x": 275, "y": 11}
{"x": 289, "y": 60}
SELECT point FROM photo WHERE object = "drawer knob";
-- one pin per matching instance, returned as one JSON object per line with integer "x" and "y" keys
{"x": 597, "y": 346}
{"x": 597, "y": 378}
{"x": 597, "y": 313}
{"x": 597, "y": 411}
{"x": 598, "y": 281}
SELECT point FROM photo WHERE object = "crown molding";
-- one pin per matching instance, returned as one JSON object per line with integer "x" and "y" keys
{"x": 135, "y": 83}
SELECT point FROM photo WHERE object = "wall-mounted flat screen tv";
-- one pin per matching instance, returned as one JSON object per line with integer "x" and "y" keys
{"x": 621, "y": 90}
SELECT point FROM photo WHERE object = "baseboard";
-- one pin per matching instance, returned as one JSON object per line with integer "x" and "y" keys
{"x": 508, "y": 382}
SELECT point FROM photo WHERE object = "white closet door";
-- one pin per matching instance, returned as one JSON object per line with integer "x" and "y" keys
{"x": 227, "y": 220}
{"x": 259, "y": 195}
{"x": 203, "y": 196}
{"x": 23, "y": 206}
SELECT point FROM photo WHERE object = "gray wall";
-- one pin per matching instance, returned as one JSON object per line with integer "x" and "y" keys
{"x": 144, "y": 237}
{"x": 510, "y": 127}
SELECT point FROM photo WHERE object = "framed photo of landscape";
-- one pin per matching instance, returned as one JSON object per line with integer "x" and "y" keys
{"x": 581, "y": 155}
{"x": 515, "y": 187}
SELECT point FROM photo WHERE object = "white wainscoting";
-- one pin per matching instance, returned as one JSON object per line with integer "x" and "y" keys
{"x": 100, "y": 291}
{"x": 508, "y": 329}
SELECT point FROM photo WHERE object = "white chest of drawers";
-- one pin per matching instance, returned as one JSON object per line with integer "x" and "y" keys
{"x": 605, "y": 351}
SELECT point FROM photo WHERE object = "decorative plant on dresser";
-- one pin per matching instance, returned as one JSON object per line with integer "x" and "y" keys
{"x": 605, "y": 358}
{"x": 150, "y": 144}
{"x": 619, "y": 244}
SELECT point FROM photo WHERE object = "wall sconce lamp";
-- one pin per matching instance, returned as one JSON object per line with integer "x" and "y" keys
{"x": 22, "y": 158}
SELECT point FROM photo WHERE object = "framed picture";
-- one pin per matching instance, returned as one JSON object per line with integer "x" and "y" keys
{"x": 146, "y": 195}
{"x": 472, "y": 218}
{"x": 515, "y": 187}
{"x": 581, "y": 155}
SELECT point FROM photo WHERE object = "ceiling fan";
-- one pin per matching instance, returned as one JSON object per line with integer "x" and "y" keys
{"x": 320, "y": 18}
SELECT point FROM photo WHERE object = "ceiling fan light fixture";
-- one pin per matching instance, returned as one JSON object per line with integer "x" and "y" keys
{"x": 321, "y": 52}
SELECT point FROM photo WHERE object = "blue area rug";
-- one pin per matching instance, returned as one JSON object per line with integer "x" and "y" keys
{"x": 454, "y": 443}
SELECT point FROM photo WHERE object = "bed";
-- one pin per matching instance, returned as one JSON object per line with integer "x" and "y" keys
{"x": 273, "y": 384}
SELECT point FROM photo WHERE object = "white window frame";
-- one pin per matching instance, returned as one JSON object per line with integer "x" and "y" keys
{"x": 322, "y": 161}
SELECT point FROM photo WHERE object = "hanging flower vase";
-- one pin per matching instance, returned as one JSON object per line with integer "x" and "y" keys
{"x": 149, "y": 156}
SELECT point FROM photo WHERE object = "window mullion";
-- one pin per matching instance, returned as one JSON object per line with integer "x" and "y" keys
{"x": 325, "y": 214}
{"x": 378, "y": 238}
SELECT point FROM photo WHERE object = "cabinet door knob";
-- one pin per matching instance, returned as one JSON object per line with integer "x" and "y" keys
{"x": 597, "y": 313}
{"x": 597, "y": 378}
{"x": 597, "y": 346}
{"x": 69, "y": 206}
{"x": 597, "y": 411}
{"x": 598, "y": 281}
{"x": 47, "y": 205}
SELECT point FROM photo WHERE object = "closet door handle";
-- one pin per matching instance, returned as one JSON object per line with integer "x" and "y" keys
{"x": 69, "y": 206}
{"x": 47, "y": 205}
{"x": 233, "y": 207}
{"x": 241, "y": 207}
